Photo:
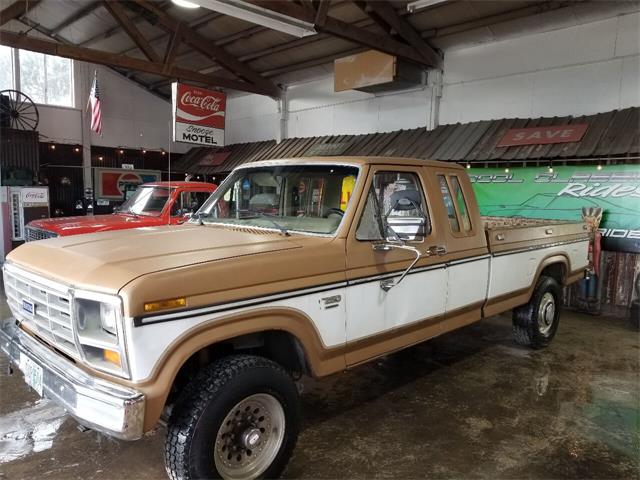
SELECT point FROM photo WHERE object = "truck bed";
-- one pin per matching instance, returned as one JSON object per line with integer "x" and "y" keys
{"x": 511, "y": 233}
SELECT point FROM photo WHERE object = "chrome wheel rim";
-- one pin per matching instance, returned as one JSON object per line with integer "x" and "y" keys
{"x": 250, "y": 437}
{"x": 546, "y": 313}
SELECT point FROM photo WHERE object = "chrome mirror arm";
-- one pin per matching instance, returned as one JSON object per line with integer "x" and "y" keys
{"x": 389, "y": 283}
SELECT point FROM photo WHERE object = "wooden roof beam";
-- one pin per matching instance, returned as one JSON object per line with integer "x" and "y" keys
{"x": 16, "y": 10}
{"x": 208, "y": 48}
{"x": 388, "y": 14}
{"x": 79, "y": 15}
{"x": 351, "y": 33}
{"x": 73, "y": 52}
{"x": 114, "y": 7}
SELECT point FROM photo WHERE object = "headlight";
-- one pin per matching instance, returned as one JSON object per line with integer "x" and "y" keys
{"x": 99, "y": 329}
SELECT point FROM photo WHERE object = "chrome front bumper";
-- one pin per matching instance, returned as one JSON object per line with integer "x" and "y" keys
{"x": 98, "y": 404}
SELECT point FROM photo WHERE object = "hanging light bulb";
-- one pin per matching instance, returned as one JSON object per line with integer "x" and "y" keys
{"x": 550, "y": 167}
{"x": 599, "y": 167}
{"x": 506, "y": 170}
{"x": 468, "y": 165}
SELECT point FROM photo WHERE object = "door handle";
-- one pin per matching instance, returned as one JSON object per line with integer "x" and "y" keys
{"x": 437, "y": 250}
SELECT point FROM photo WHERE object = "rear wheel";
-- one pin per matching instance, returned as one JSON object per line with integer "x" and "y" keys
{"x": 535, "y": 324}
{"x": 238, "y": 419}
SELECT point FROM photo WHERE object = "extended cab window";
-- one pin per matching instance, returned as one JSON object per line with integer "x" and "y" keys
{"x": 460, "y": 203}
{"x": 448, "y": 203}
{"x": 395, "y": 200}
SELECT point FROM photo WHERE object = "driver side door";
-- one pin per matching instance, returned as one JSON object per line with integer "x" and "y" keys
{"x": 380, "y": 321}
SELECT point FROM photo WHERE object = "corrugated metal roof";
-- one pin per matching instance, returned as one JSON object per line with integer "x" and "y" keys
{"x": 614, "y": 133}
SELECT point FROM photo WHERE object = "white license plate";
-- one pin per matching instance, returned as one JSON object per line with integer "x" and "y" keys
{"x": 33, "y": 373}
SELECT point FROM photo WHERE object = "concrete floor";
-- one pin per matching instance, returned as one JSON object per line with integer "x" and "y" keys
{"x": 470, "y": 404}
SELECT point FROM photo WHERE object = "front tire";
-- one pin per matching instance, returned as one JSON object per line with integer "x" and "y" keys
{"x": 535, "y": 324}
{"x": 237, "y": 419}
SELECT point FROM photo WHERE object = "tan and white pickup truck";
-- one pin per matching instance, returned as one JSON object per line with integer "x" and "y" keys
{"x": 304, "y": 266}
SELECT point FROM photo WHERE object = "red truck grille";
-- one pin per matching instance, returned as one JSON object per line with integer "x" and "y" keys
{"x": 31, "y": 234}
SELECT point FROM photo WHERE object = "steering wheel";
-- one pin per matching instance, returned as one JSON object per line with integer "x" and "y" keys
{"x": 337, "y": 211}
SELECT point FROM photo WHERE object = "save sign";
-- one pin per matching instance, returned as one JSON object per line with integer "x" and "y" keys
{"x": 198, "y": 115}
{"x": 534, "y": 192}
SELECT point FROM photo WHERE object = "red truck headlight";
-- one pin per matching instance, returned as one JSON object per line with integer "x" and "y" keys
{"x": 99, "y": 331}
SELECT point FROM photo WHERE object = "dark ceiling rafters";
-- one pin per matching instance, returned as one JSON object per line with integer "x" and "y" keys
{"x": 281, "y": 47}
{"x": 33, "y": 44}
{"x": 346, "y": 31}
{"x": 368, "y": 11}
{"x": 206, "y": 47}
{"x": 388, "y": 14}
{"x": 16, "y": 10}
{"x": 79, "y": 15}
{"x": 117, "y": 28}
{"x": 195, "y": 25}
{"x": 115, "y": 8}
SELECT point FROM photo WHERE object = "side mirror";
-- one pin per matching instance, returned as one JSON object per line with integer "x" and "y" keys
{"x": 408, "y": 228}
{"x": 116, "y": 209}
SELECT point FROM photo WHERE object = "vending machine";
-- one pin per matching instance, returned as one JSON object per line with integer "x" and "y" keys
{"x": 18, "y": 206}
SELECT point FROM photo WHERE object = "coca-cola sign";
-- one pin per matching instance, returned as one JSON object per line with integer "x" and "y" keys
{"x": 198, "y": 115}
{"x": 35, "y": 195}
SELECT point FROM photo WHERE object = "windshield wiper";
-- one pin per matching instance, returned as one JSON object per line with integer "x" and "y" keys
{"x": 268, "y": 216}
{"x": 201, "y": 215}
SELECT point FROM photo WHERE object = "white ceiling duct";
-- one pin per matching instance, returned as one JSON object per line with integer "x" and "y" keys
{"x": 261, "y": 16}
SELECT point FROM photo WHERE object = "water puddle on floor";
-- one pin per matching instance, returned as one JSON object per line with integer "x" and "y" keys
{"x": 30, "y": 429}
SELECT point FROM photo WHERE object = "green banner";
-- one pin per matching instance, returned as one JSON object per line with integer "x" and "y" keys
{"x": 560, "y": 194}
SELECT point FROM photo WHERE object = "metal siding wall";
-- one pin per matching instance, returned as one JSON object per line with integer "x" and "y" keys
{"x": 19, "y": 149}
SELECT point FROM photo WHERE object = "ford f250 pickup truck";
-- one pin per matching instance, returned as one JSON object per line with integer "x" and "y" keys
{"x": 304, "y": 266}
{"x": 151, "y": 205}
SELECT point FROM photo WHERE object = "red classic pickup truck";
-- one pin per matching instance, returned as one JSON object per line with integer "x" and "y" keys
{"x": 152, "y": 204}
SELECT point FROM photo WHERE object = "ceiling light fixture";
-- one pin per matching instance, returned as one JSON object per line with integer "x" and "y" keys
{"x": 261, "y": 16}
{"x": 185, "y": 4}
{"x": 419, "y": 4}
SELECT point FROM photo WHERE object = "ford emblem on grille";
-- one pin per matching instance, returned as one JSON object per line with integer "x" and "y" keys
{"x": 28, "y": 307}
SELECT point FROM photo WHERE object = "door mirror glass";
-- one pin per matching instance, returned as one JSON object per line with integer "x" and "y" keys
{"x": 396, "y": 210}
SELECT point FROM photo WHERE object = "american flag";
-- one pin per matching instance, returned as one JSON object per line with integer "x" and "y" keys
{"x": 96, "y": 113}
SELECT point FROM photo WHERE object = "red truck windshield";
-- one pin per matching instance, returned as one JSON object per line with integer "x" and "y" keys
{"x": 149, "y": 201}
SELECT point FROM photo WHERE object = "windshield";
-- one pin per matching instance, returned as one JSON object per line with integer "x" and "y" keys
{"x": 301, "y": 198}
{"x": 149, "y": 201}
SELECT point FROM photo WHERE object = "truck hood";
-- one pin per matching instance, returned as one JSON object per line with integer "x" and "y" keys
{"x": 97, "y": 223}
{"x": 108, "y": 261}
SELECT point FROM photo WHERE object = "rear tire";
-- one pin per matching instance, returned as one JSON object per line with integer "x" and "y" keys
{"x": 535, "y": 324}
{"x": 237, "y": 419}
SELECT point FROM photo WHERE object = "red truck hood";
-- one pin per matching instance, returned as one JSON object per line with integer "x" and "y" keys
{"x": 98, "y": 223}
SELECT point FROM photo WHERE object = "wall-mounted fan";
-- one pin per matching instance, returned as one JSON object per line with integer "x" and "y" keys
{"x": 18, "y": 111}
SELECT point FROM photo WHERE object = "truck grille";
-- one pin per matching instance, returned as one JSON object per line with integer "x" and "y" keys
{"x": 51, "y": 316}
{"x": 31, "y": 234}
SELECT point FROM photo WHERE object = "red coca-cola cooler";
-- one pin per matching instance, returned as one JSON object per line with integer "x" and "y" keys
{"x": 18, "y": 206}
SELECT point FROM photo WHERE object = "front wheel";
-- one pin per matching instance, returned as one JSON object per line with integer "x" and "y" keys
{"x": 535, "y": 324}
{"x": 238, "y": 419}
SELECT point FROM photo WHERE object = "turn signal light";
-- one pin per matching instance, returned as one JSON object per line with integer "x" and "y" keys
{"x": 165, "y": 304}
{"x": 112, "y": 357}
